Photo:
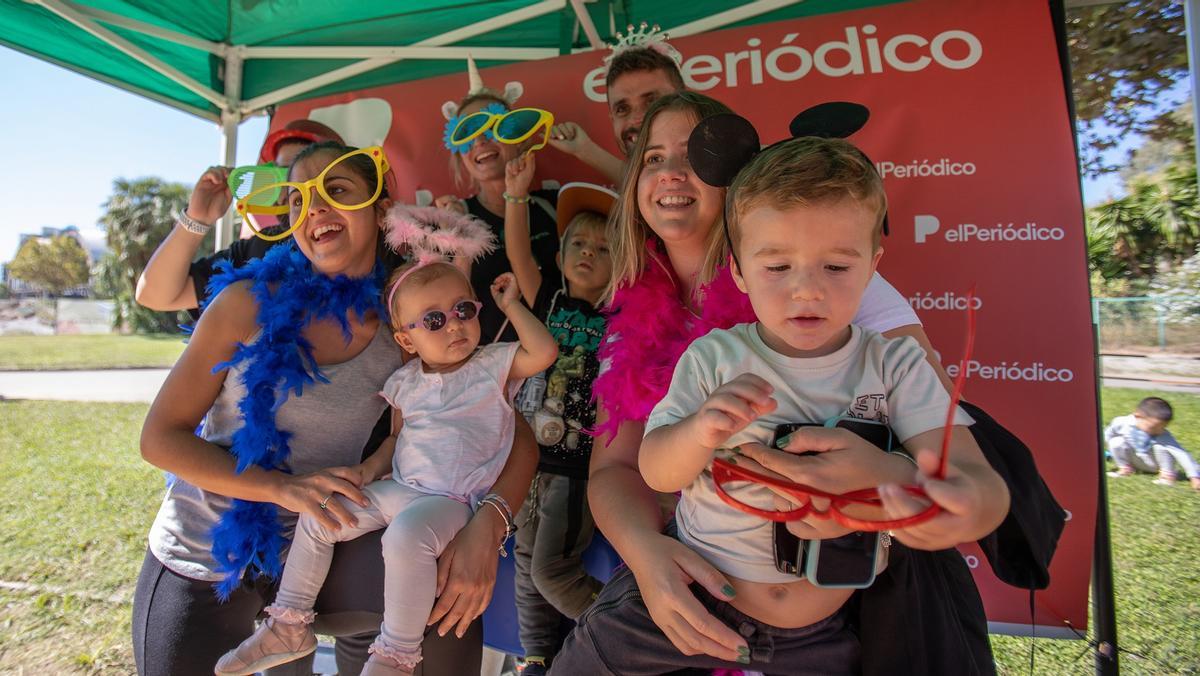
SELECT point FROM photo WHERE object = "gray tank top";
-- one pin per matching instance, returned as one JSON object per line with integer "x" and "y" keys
{"x": 329, "y": 423}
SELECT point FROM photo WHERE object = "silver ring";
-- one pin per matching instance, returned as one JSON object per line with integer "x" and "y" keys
{"x": 325, "y": 502}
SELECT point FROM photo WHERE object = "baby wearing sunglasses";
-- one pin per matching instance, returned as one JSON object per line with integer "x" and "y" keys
{"x": 805, "y": 227}
{"x": 452, "y": 428}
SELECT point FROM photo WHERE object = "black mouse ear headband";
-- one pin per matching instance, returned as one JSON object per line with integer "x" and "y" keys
{"x": 722, "y": 145}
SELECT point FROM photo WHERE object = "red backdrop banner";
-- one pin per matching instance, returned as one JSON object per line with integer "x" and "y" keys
{"x": 970, "y": 130}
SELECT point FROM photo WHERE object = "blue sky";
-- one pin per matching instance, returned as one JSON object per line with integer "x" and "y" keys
{"x": 66, "y": 137}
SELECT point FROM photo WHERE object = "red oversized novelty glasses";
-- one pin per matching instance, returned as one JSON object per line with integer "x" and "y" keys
{"x": 858, "y": 510}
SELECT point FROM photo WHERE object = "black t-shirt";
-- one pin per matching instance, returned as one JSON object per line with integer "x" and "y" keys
{"x": 243, "y": 251}
{"x": 543, "y": 235}
{"x": 560, "y": 400}
{"x": 239, "y": 253}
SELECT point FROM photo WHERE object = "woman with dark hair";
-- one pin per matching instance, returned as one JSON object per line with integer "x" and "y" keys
{"x": 284, "y": 370}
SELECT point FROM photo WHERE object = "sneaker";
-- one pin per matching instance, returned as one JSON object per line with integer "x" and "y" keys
{"x": 1164, "y": 481}
{"x": 533, "y": 669}
{"x": 1121, "y": 472}
{"x": 272, "y": 644}
{"x": 1195, "y": 482}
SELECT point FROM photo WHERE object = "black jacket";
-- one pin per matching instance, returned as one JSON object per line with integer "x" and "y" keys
{"x": 923, "y": 615}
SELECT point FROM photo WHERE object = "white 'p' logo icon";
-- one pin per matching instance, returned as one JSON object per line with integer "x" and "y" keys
{"x": 925, "y": 225}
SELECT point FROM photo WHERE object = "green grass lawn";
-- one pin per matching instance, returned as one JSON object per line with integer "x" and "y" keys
{"x": 1156, "y": 547}
{"x": 77, "y": 502}
{"x": 37, "y": 353}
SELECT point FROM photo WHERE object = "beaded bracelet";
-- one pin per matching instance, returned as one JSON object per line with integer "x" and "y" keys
{"x": 516, "y": 200}
{"x": 192, "y": 225}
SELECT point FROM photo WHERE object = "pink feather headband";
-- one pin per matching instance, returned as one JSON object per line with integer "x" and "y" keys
{"x": 434, "y": 235}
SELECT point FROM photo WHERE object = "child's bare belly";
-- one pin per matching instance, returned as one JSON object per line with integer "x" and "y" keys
{"x": 789, "y": 605}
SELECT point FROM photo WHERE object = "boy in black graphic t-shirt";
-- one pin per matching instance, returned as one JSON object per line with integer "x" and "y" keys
{"x": 555, "y": 525}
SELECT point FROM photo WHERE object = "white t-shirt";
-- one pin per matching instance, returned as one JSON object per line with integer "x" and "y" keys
{"x": 871, "y": 377}
{"x": 883, "y": 308}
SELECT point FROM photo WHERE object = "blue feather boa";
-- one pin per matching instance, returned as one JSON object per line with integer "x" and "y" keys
{"x": 278, "y": 365}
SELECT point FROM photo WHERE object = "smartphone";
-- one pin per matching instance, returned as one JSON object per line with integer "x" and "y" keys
{"x": 879, "y": 434}
{"x": 848, "y": 561}
{"x": 789, "y": 549}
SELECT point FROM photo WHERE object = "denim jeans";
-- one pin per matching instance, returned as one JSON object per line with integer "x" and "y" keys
{"x": 616, "y": 636}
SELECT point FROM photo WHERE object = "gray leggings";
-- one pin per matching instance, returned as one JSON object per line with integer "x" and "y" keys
{"x": 179, "y": 627}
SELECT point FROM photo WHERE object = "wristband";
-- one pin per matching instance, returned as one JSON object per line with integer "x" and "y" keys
{"x": 192, "y": 225}
{"x": 516, "y": 200}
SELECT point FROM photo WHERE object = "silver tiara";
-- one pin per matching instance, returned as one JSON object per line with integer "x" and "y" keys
{"x": 643, "y": 36}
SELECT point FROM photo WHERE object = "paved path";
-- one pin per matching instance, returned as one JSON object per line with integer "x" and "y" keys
{"x": 133, "y": 385}
{"x": 140, "y": 385}
{"x": 1166, "y": 385}
{"x": 1164, "y": 366}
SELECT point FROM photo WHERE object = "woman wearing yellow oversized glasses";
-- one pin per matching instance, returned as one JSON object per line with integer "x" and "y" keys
{"x": 512, "y": 127}
{"x": 335, "y": 185}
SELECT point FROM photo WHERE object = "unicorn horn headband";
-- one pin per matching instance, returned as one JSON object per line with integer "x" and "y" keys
{"x": 432, "y": 236}
{"x": 512, "y": 90}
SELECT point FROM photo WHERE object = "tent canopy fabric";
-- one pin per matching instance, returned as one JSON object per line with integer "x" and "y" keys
{"x": 226, "y": 60}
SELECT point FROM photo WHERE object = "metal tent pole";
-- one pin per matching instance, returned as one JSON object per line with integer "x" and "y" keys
{"x": 1104, "y": 620}
{"x": 1104, "y": 611}
{"x": 230, "y": 119}
{"x": 1190, "y": 16}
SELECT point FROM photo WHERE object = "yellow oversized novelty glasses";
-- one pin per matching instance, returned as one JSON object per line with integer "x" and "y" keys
{"x": 339, "y": 184}
{"x": 512, "y": 127}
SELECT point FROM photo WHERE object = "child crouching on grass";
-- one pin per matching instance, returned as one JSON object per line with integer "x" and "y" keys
{"x": 805, "y": 226}
{"x": 1140, "y": 442}
{"x": 453, "y": 425}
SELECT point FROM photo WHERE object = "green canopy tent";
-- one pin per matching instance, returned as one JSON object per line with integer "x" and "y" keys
{"x": 225, "y": 61}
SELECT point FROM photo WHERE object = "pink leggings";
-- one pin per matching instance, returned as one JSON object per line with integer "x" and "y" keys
{"x": 417, "y": 527}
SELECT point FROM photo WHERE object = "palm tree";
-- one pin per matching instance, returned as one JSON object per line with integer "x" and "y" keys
{"x": 1155, "y": 226}
{"x": 137, "y": 217}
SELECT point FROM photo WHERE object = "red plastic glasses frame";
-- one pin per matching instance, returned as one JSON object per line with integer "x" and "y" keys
{"x": 724, "y": 472}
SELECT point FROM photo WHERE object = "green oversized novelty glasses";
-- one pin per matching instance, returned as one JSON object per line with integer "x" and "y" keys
{"x": 339, "y": 184}
{"x": 252, "y": 179}
{"x": 512, "y": 127}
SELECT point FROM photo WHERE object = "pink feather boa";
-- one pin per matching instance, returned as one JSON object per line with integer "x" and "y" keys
{"x": 648, "y": 330}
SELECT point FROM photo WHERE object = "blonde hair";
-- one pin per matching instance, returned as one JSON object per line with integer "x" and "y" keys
{"x": 628, "y": 231}
{"x": 587, "y": 219}
{"x": 805, "y": 172}
{"x": 456, "y": 159}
